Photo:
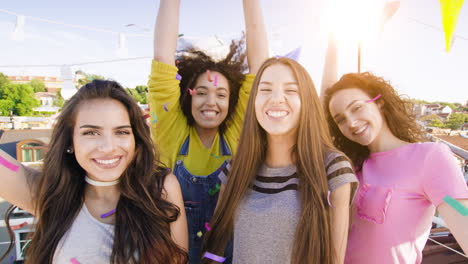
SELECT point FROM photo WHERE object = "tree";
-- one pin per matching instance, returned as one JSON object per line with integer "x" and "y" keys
{"x": 436, "y": 123}
{"x": 59, "y": 101}
{"x": 88, "y": 77}
{"x": 3, "y": 80}
{"x": 19, "y": 97}
{"x": 138, "y": 93}
{"x": 456, "y": 120}
{"x": 37, "y": 85}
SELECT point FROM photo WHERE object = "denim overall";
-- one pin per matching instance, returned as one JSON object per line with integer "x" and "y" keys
{"x": 200, "y": 198}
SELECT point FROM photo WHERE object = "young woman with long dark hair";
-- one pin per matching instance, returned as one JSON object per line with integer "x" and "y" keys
{"x": 102, "y": 196}
{"x": 197, "y": 108}
{"x": 288, "y": 190}
{"x": 402, "y": 180}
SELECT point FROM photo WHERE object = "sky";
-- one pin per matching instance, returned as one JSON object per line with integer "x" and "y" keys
{"x": 409, "y": 52}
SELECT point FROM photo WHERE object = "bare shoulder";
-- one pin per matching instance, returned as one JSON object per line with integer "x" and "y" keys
{"x": 171, "y": 188}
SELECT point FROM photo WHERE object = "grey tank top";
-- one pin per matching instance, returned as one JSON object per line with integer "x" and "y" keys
{"x": 88, "y": 241}
{"x": 266, "y": 220}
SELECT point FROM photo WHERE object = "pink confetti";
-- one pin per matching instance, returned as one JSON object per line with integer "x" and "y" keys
{"x": 216, "y": 80}
{"x": 74, "y": 261}
{"x": 208, "y": 75}
{"x": 207, "y": 226}
{"x": 108, "y": 214}
{"x": 373, "y": 99}
{"x": 178, "y": 77}
{"x": 192, "y": 92}
{"x": 165, "y": 107}
{"x": 8, "y": 164}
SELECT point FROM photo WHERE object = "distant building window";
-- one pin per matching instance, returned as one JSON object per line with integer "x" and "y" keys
{"x": 30, "y": 151}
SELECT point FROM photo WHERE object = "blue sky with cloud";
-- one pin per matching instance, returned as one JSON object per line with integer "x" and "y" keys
{"x": 410, "y": 52}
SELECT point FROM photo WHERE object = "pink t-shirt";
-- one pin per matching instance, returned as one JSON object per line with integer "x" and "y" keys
{"x": 397, "y": 196}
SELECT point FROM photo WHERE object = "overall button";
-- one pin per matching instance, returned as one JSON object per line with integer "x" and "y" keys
{"x": 194, "y": 179}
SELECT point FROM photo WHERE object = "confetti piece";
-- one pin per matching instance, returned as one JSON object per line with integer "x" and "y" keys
{"x": 155, "y": 118}
{"x": 456, "y": 205}
{"x": 192, "y": 92}
{"x": 215, "y": 82}
{"x": 328, "y": 199}
{"x": 208, "y": 75}
{"x": 19, "y": 226}
{"x": 146, "y": 116}
{"x": 215, "y": 190}
{"x": 294, "y": 54}
{"x": 178, "y": 77}
{"x": 25, "y": 245}
{"x": 11, "y": 259}
{"x": 74, "y": 261}
{"x": 8, "y": 164}
{"x": 165, "y": 107}
{"x": 450, "y": 9}
{"x": 373, "y": 99}
{"x": 207, "y": 226}
{"x": 213, "y": 155}
{"x": 214, "y": 257}
{"x": 108, "y": 214}
{"x": 177, "y": 62}
{"x": 199, "y": 234}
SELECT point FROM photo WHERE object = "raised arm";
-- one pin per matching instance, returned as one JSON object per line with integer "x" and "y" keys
{"x": 166, "y": 31}
{"x": 330, "y": 68}
{"x": 16, "y": 186}
{"x": 257, "y": 41}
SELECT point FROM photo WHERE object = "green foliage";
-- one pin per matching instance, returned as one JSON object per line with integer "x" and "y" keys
{"x": 430, "y": 117}
{"x": 138, "y": 93}
{"x": 456, "y": 120}
{"x": 88, "y": 77}
{"x": 436, "y": 123}
{"x": 3, "y": 80}
{"x": 59, "y": 101}
{"x": 37, "y": 85}
{"x": 19, "y": 97}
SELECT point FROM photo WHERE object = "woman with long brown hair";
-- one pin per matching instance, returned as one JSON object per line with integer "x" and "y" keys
{"x": 402, "y": 180}
{"x": 287, "y": 192}
{"x": 102, "y": 196}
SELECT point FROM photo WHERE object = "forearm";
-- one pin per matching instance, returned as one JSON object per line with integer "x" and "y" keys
{"x": 257, "y": 40}
{"x": 330, "y": 68}
{"x": 340, "y": 221}
{"x": 456, "y": 222}
{"x": 166, "y": 31}
{"x": 17, "y": 182}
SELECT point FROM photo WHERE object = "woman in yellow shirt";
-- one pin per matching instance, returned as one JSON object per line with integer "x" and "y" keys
{"x": 197, "y": 110}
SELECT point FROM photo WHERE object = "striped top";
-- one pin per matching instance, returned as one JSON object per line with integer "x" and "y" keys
{"x": 266, "y": 220}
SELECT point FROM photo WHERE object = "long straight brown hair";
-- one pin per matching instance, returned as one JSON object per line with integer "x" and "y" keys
{"x": 142, "y": 229}
{"x": 312, "y": 241}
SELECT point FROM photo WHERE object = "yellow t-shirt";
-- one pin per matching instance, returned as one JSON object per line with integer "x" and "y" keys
{"x": 169, "y": 129}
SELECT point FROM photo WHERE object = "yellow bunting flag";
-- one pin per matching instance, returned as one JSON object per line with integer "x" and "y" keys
{"x": 450, "y": 10}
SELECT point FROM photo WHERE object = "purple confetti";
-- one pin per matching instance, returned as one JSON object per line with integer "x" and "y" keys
{"x": 294, "y": 54}
{"x": 165, "y": 107}
{"x": 214, "y": 257}
{"x": 108, "y": 214}
{"x": 178, "y": 77}
{"x": 216, "y": 80}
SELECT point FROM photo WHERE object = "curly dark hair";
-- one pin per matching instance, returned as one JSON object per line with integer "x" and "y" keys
{"x": 396, "y": 110}
{"x": 193, "y": 62}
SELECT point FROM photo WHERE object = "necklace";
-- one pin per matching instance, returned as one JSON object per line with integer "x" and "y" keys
{"x": 100, "y": 183}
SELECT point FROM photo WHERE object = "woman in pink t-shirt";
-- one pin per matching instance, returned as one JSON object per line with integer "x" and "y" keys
{"x": 402, "y": 181}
